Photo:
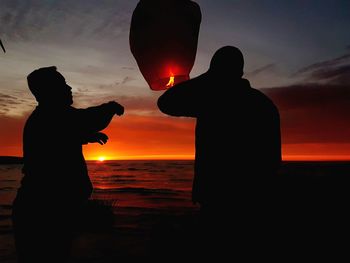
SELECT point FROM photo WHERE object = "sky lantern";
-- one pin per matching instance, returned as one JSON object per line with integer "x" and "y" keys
{"x": 163, "y": 39}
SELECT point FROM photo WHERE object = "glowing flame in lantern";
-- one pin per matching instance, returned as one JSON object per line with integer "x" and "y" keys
{"x": 171, "y": 82}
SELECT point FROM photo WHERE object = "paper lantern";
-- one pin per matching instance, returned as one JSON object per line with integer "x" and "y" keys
{"x": 163, "y": 39}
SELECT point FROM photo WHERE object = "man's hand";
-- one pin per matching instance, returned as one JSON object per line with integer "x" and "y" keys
{"x": 99, "y": 137}
{"x": 119, "y": 109}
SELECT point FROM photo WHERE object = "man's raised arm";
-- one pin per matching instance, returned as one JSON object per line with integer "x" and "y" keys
{"x": 94, "y": 119}
{"x": 182, "y": 99}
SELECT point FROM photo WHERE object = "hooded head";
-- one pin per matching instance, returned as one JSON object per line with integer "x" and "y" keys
{"x": 49, "y": 87}
{"x": 227, "y": 61}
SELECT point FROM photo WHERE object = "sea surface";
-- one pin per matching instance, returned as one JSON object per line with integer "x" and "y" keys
{"x": 133, "y": 188}
{"x": 137, "y": 192}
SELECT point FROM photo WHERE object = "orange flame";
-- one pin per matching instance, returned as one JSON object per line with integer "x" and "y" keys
{"x": 171, "y": 81}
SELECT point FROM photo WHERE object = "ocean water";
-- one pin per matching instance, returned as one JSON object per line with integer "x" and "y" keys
{"x": 147, "y": 185}
{"x": 142, "y": 184}
{"x": 132, "y": 188}
{"x": 139, "y": 192}
{"x": 134, "y": 184}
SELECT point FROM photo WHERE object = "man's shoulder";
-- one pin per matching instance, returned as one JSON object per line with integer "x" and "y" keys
{"x": 263, "y": 99}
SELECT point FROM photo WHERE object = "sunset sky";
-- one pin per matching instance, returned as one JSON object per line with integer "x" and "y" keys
{"x": 297, "y": 52}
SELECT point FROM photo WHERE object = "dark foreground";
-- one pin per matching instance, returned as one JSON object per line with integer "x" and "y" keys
{"x": 302, "y": 214}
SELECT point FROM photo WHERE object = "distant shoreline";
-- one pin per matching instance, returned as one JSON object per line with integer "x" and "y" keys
{"x": 11, "y": 160}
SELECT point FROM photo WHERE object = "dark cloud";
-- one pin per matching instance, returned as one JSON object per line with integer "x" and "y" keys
{"x": 82, "y": 90}
{"x": 325, "y": 64}
{"x": 313, "y": 113}
{"x": 116, "y": 84}
{"x": 333, "y": 71}
{"x": 111, "y": 86}
{"x": 339, "y": 75}
{"x": 5, "y": 96}
{"x": 127, "y": 79}
{"x": 7, "y": 102}
{"x": 90, "y": 70}
{"x": 260, "y": 70}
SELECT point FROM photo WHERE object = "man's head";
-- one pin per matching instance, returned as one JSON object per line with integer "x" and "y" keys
{"x": 227, "y": 61}
{"x": 49, "y": 87}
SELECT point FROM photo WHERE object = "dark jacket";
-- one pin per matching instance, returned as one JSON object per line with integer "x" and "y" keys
{"x": 237, "y": 134}
{"x": 54, "y": 166}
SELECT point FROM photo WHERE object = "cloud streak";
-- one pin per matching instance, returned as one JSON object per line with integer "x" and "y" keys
{"x": 12, "y": 105}
{"x": 265, "y": 68}
{"x": 335, "y": 71}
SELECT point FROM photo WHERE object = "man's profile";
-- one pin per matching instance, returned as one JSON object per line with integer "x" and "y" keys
{"x": 55, "y": 186}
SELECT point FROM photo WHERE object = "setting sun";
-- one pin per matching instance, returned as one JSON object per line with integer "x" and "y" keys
{"x": 101, "y": 158}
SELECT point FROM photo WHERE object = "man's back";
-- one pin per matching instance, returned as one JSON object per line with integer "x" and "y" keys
{"x": 239, "y": 119}
{"x": 237, "y": 133}
{"x": 238, "y": 142}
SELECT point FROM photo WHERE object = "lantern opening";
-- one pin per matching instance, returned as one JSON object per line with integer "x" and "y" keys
{"x": 168, "y": 82}
{"x": 171, "y": 82}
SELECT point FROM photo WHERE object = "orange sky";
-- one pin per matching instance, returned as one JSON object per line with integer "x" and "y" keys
{"x": 136, "y": 137}
{"x": 162, "y": 137}
{"x": 139, "y": 137}
{"x": 297, "y": 58}
{"x": 314, "y": 126}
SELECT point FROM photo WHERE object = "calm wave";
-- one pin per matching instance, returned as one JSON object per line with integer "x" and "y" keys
{"x": 123, "y": 183}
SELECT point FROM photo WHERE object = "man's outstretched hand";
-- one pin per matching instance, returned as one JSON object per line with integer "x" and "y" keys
{"x": 99, "y": 137}
{"x": 119, "y": 109}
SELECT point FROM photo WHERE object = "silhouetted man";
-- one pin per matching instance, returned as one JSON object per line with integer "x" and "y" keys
{"x": 56, "y": 185}
{"x": 238, "y": 148}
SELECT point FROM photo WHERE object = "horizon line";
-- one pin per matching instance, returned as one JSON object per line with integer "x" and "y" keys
{"x": 290, "y": 158}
